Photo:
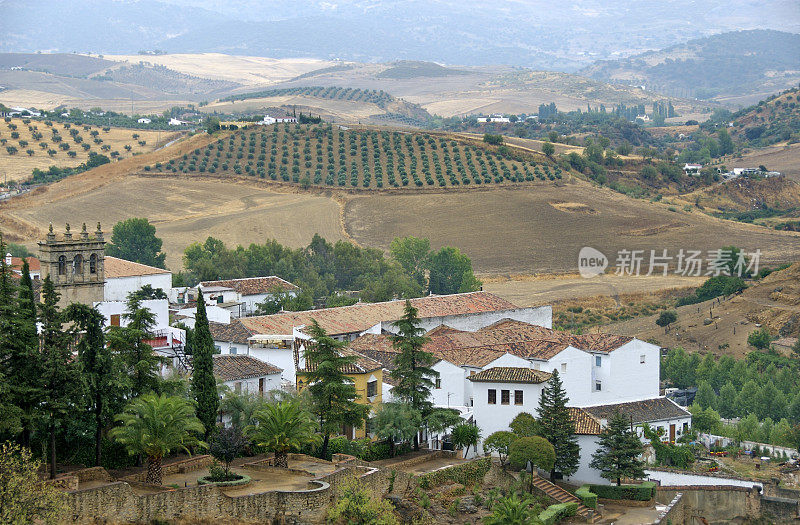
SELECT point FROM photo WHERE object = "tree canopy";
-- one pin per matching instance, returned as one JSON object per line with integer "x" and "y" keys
{"x": 135, "y": 240}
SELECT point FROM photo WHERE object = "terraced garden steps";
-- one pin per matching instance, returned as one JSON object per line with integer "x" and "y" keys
{"x": 562, "y": 496}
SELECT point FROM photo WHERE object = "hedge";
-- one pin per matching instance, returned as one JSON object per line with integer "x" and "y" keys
{"x": 465, "y": 473}
{"x": 555, "y": 513}
{"x": 588, "y": 497}
{"x": 205, "y": 480}
{"x": 644, "y": 491}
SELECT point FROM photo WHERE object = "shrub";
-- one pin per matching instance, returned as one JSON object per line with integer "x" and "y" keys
{"x": 555, "y": 513}
{"x": 536, "y": 449}
{"x": 644, "y": 491}
{"x": 587, "y": 497}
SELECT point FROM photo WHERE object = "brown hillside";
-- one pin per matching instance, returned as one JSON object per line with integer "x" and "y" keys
{"x": 748, "y": 194}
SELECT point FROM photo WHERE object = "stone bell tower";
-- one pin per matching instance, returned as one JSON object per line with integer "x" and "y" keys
{"x": 75, "y": 264}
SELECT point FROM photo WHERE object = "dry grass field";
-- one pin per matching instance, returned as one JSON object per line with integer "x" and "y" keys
{"x": 529, "y": 230}
{"x": 783, "y": 157}
{"x": 186, "y": 210}
{"x": 20, "y": 165}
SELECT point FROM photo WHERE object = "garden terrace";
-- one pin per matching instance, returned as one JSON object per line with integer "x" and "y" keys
{"x": 329, "y": 157}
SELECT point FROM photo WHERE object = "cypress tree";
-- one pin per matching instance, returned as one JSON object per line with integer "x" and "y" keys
{"x": 617, "y": 456}
{"x": 557, "y": 427}
{"x": 59, "y": 376}
{"x": 412, "y": 365}
{"x": 28, "y": 381}
{"x": 130, "y": 342}
{"x": 333, "y": 394}
{"x": 204, "y": 385}
{"x": 11, "y": 417}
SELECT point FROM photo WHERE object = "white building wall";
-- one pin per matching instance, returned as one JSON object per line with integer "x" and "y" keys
{"x": 671, "y": 479}
{"x": 586, "y": 474}
{"x": 250, "y": 385}
{"x": 159, "y": 307}
{"x": 540, "y": 316}
{"x": 575, "y": 370}
{"x": 251, "y": 301}
{"x": 283, "y": 358}
{"x": 118, "y": 288}
{"x": 214, "y": 313}
{"x": 491, "y": 418}
{"x": 451, "y": 391}
{"x": 509, "y": 360}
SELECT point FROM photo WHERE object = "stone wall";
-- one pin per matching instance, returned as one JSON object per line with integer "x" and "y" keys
{"x": 716, "y": 504}
{"x": 673, "y": 514}
{"x": 417, "y": 460}
{"x": 780, "y": 510}
{"x": 178, "y": 467}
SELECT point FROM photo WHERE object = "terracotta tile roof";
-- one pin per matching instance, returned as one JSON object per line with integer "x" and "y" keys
{"x": 234, "y": 367}
{"x": 442, "y": 329}
{"x": 644, "y": 411}
{"x": 33, "y": 263}
{"x": 234, "y": 332}
{"x": 361, "y": 365}
{"x": 585, "y": 423}
{"x": 484, "y": 346}
{"x": 253, "y": 285}
{"x": 361, "y": 316}
{"x": 115, "y": 268}
{"x": 510, "y": 374}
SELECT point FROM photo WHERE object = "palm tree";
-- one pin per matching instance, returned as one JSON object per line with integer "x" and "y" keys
{"x": 154, "y": 426}
{"x": 513, "y": 511}
{"x": 282, "y": 427}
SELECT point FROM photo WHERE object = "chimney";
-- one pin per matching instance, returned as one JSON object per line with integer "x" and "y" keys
{"x": 8, "y": 259}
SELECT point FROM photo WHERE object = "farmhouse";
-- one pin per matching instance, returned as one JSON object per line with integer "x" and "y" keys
{"x": 692, "y": 169}
{"x": 144, "y": 121}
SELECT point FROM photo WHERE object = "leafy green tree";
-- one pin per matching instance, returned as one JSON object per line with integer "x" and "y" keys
{"x": 466, "y": 435}
{"x": 548, "y": 149}
{"x": 747, "y": 428}
{"x": 333, "y": 394}
{"x": 666, "y": 318}
{"x": 726, "y": 403}
{"x": 59, "y": 374}
{"x": 412, "y": 365}
{"x": 514, "y": 510}
{"x": 282, "y": 427}
{"x": 204, "y": 384}
{"x": 396, "y": 422}
{"x": 100, "y": 370}
{"x": 525, "y": 425}
{"x": 705, "y": 397}
{"x": 618, "y": 453}
{"x": 535, "y": 449}
{"x": 227, "y": 445}
{"x": 451, "y": 272}
{"x": 557, "y": 427}
{"x": 760, "y": 339}
{"x": 155, "y": 425}
{"x": 499, "y": 442}
{"x": 130, "y": 343}
{"x": 147, "y": 292}
{"x": 413, "y": 254}
{"x": 707, "y": 420}
{"x": 23, "y": 497}
{"x": 135, "y": 240}
{"x": 726, "y": 145}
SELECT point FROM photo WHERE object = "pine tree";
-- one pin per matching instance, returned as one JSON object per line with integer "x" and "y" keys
{"x": 412, "y": 365}
{"x": 705, "y": 397}
{"x": 333, "y": 394}
{"x": 204, "y": 385}
{"x": 59, "y": 377}
{"x": 101, "y": 372}
{"x": 557, "y": 427}
{"x": 130, "y": 342}
{"x": 618, "y": 453}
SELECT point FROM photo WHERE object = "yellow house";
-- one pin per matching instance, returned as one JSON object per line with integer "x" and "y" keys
{"x": 366, "y": 374}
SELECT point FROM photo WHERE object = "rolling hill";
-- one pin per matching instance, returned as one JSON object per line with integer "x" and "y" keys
{"x": 735, "y": 68}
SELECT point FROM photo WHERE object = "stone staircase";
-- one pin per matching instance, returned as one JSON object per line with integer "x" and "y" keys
{"x": 562, "y": 496}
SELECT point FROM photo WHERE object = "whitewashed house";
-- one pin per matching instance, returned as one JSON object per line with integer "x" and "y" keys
{"x": 246, "y": 293}
{"x": 246, "y": 375}
{"x": 144, "y": 121}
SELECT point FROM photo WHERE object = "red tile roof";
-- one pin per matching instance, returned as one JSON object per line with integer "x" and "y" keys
{"x": 361, "y": 365}
{"x": 230, "y": 367}
{"x": 33, "y": 264}
{"x": 115, "y": 268}
{"x": 510, "y": 374}
{"x": 361, "y": 316}
{"x": 253, "y": 285}
{"x": 643, "y": 411}
{"x": 585, "y": 423}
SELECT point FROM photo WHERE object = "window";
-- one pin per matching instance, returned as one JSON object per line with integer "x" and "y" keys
{"x": 232, "y": 350}
{"x": 77, "y": 265}
{"x": 372, "y": 389}
{"x": 517, "y": 397}
{"x": 598, "y": 386}
{"x": 114, "y": 320}
{"x": 438, "y": 383}
{"x": 505, "y": 397}
{"x": 492, "y": 396}
{"x": 93, "y": 263}
{"x": 598, "y": 361}
{"x": 641, "y": 359}
{"x": 62, "y": 265}
{"x": 563, "y": 367}
{"x": 685, "y": 427}
{"x": 220, "y": 299}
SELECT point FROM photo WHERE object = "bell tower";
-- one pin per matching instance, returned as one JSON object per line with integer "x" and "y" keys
{"x": 75, "y": 264}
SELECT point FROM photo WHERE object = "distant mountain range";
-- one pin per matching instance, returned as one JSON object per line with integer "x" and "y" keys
{"x": 538, "y": 34}
{"x": 735, "y": 68}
